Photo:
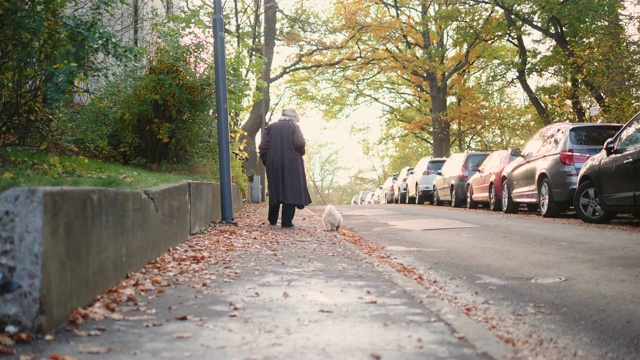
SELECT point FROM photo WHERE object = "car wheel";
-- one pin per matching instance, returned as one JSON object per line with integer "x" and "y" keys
{"x": 494, "y": 202}
{"x": 454, "y": 201}
{"x": 436, "y": 198}
{"x": 411, "y": 199}
{"x": 419, "y": 198}
{"x": 586, "y": 203}
{"x": 402, "y": 199}
{"x": 508, "y": 206}
{"x": 470, "y": 203}
{"x": 548, "y": 207}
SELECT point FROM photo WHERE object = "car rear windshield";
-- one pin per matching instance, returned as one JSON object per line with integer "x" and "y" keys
{"x": 476, "y": 159}
{"x": 435, "y": 165}
{"x": 593, "y": 135}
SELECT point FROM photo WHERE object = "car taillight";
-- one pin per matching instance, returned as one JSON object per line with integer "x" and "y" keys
{"x": 568, "y": 157}
{"x": 463, "y": 173}
{"x": 404, "y": 180}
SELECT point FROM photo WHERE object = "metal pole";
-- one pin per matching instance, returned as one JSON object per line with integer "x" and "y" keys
{"x": 263, "y": 178}
{"x": 222, "y": 111}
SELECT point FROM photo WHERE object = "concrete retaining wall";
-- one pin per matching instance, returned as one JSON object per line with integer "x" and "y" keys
{"x": 64, "y": 246}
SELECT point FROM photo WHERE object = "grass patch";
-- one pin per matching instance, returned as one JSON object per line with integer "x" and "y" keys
{"x": 31, "y": 168}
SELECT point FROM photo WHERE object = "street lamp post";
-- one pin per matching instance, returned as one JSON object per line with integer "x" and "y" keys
{"x": 222, "y": 111}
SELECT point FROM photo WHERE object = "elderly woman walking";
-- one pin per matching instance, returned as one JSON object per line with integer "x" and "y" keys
{"x": 281, "y": 150}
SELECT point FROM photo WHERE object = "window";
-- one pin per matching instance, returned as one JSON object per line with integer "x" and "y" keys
{"x": 631, "y": 134}
{"x": 492, "y": 160}
{"x": 452, "y": 166}
{"x": 435, "y": 165}
{"x": 475, "y": 160}
{"x": 592, "y": 136}
{"x": 552, "y": 138}
{"x": 534, "y": 144}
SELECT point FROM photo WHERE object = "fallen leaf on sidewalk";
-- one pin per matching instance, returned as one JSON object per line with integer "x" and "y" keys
{"x": 6, "y": 351}
{"x": 6, "y": 340}
{"x": 86, "y": 333}
{"x": 23, "y": 338}
{"x": 84, "y": 349}
{"x": 182, "y": 335}
{"x": 326, "y": 311}
{"x": 286, "y": 295}
{"x": 55, "y": 356}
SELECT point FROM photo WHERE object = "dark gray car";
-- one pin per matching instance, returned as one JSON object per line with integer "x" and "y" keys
{"x": 451, "y": 183}
{"x": 546, "y": 171}
{"x": 609, "y": 182}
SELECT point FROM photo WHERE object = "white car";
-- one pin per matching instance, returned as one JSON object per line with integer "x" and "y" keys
{"x": 369, "y": 198}
{"x": 386, "y": 193}
{"x": 400, "y": 187}
{"x": 420, "y": 181}
{"x": 363, "y": 197}
{"x": 377, "y": 195}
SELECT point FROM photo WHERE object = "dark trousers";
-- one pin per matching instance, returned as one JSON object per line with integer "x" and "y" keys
{"x": 288, "y": 211}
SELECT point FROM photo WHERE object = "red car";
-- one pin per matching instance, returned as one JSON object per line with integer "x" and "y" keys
{"x": 484, "y": 186}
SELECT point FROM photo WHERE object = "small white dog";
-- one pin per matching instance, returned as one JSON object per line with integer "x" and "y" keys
{"x": 332, "y": 218}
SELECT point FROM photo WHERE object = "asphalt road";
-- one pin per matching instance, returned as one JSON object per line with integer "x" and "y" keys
{"x": 556, "y": 288}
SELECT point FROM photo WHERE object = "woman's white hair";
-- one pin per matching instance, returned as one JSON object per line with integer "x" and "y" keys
{"x": 291, "y": 113}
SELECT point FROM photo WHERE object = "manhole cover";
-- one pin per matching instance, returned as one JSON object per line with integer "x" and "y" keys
{"x": 548, "y": 280}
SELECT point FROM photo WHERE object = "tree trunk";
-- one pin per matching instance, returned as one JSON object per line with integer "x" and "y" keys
{"x": 576, "y": 104}
{"x": 522, "y": 72}
{"x": 440, "y": 124}
{"x": 260, "y": 108}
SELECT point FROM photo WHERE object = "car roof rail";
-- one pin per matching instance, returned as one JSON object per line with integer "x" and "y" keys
{"x": 479, "y": 150}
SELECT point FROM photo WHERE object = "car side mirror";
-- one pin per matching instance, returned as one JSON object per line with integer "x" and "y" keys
{"x": 516, "y": 152}
{"x": 609, "y": 146}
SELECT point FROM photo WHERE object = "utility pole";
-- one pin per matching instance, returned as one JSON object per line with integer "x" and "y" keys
{"x": 222, "y": 111}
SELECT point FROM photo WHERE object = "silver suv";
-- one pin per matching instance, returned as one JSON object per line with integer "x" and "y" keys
{"x": 546, "y": 171}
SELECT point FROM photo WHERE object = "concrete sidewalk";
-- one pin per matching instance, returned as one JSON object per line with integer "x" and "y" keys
{"x": 256, "y": 291}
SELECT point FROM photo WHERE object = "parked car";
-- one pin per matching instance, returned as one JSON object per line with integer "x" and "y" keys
{"x": 484, "y": 186}
{"x": 420, "y": 181}
{"x": 363, "y": 196}
{"x": 386, "y": 195}
{"x": 355, "y": 200}
{"x": 451, "y": 183}
{"x": 546, "y": 171}
{"x": 400, "y": 186}
{"x": 369, "y": 198}
{"x": 376, "y": 194}
{"x": 609, "y": 182}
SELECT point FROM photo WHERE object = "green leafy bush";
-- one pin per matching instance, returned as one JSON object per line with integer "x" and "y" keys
{"x": 160, "y": 115}
{"x": 47, "y": 48}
